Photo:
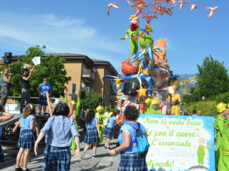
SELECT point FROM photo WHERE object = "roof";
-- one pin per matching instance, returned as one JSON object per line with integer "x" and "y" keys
{"x": 83, "y": 57}
{"x": 103, "y": 62}
{"x": 73, "y": 56}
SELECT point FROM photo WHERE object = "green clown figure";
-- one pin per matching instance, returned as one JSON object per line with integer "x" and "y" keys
{"x": 219, "y": 123}
{"x": 76, "y": 117}
{"x": 100, "y": 116}
{"x": 222, "y": 127}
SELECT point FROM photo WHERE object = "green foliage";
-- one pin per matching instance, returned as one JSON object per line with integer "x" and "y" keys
{"x": 209, "y": 104}
{"x": 212, "y": 79}
{"x": 193, "y": 97}
{"x": 220, "y": 98}
{"x": 91, "y": 100}
{"x": 205, "y": 106}
{"x": 51, "y": 67}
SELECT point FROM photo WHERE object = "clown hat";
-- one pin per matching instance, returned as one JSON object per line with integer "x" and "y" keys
{"x": 154, "y": 101}
{"x": 73, "y": 102}
{"x": 99, "y": 108}
{"x": 148, "y": 101}
{"x": 221, "y": 107}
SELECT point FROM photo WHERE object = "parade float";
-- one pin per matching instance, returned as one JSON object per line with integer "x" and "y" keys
{"x": 176, "y": 142}
{"x": 147, "y": 69}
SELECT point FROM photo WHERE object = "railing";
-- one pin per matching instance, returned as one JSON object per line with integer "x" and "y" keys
{"x": 89, "y": 89}
{"x": 14, "y": 108}
{"x": 88, "y": 73}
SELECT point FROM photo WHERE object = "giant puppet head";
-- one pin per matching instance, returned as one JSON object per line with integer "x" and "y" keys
{"x": 134, "y": 84}
{"x": 161, "y": 75}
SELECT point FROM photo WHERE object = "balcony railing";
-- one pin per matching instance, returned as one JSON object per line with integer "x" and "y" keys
{"x": 88, "y": 73}
{"x": 89, "y": 89}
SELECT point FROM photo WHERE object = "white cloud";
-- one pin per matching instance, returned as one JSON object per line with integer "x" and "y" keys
{"x": 59, "y": 34}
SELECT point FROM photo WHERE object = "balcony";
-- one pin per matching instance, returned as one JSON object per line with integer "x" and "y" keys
{"x": 89, "y": 89}
{"x": 88, "y": 74}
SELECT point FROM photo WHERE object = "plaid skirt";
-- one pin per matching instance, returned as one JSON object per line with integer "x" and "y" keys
{"x": 2, "y": 158}
{"x": 132, "y": 162}
{"x": 91, "y": 136}
{"x": 108, "y": 132}
{"x": 26, "y": 139}
{"x": 56, "y": 158}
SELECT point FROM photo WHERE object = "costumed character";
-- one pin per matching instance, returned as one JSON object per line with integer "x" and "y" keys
{"x": 147, "y": 103}
{"x": 133, "y": 33}
{"x": 100, "y": 117}
{"x": 106, "y": 116}
{"x": 176, "y": 99}
{"x": 164, "y": 106}
{"x": 153, "y": 108}
{"x": 222, "y": 137}
{"x": 74, "y": 117}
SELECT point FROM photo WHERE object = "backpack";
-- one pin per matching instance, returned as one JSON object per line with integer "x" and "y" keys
{"x": 142, "y": 143}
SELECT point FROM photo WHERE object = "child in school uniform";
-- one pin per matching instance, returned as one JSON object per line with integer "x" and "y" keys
{"x": 92, "y": 136}
{"x": 3, "y": 118}
{"x": 26, "y": 138}
{"x": 109, "y": 129}
{"x": 59, "y": 131}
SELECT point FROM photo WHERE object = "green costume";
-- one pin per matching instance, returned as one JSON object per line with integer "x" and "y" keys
{"x": 107, "y": 115}
{"x": 223, "y": 164}
{"x": 101, "y": 126}
{"x": 133, "y": 41}
{"x": 150, "y": 110}
{"x": 77, "y": 111}
{"x": 219, "y": 123}
{"x": 74, "y": 146}
{"x": 201, "y": 154}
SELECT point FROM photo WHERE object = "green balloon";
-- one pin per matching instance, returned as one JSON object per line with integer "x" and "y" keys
{"x": 145, "y": 40}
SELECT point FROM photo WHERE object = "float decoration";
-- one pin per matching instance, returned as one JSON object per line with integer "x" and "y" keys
{"x": 152, "y": 9}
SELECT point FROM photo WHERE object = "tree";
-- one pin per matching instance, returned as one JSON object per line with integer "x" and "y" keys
{"x": 212, "y": 79}
{"x": 91, "y": 100}
{"x": 51, "y": 67}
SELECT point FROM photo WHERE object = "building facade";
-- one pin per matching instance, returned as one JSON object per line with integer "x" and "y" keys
{"x": 87, "y": 74}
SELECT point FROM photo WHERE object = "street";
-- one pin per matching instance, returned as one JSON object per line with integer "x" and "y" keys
{"x": 102, "y": 162}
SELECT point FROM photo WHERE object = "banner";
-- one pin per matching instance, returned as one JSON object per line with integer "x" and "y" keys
{"x": 179, "y": 143}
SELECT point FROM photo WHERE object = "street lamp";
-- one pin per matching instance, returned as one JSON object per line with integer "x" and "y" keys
{"x": 203, "y": 98}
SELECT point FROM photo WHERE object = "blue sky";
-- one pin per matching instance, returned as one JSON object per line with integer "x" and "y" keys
{"x": 84, "y": 27}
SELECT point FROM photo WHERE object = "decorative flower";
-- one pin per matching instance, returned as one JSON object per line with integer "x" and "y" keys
{"x": 133, "y": 27}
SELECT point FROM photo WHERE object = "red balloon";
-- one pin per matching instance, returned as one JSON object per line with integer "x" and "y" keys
{"x": 129, "y": 69}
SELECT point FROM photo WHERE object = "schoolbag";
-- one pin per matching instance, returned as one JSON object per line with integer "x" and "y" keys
{"x": 142, "y": 142}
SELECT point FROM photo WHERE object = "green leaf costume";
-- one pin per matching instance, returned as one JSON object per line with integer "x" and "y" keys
{"x": 223, "y": 164}
{"x": 150, "y": 110}
{"x": 77, "y": 110}
{"x": 101, "y": 126}
{"x": 219, "y": 123}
